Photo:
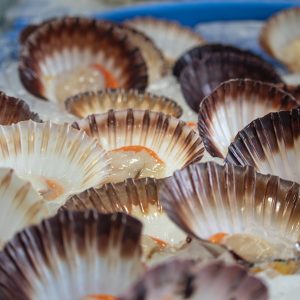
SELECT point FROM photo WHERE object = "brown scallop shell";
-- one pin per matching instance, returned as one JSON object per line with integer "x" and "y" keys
{"x": 171, "y": 38}
{"x": 233, "y": 105}
{"x": 66, "y": 43}
{"x": 185, "y": 279}
{"x": 14, "y": 110}
{"x": 85, "y": 104}
{"x": 202, "y": 76}
{"x": 175, "y": 143}
{"x": 71, "y": 255}
{"x": 293, "y": 90}
{"x": 278, "y": 33}
{"x": 206, "y": 199}
{"x": 271, "y": 144}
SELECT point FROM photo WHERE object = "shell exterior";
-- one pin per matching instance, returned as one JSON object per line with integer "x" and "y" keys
{"x": 14, "y": 110}
{"x": 138, "y": 198}
{"x": 186, "y": 280}
{"x": 271, "y": 144}
{"x": 55, "y": 157}
{"x": 155, "y": 61}
{"x": 175, "y": 143}
{"x": 279, "y": 33}
{"x": 232, "y": 106}
{"x": 20, "y": 205}
{"x": 88, "y": 103}
{"x": 71, "y": 255}
{"x": 64, "y": 44}
{"x": 205, "y": 199}
{"x": 202, "y": 76}
{"x": 172, "y": 38}
{"x": 291, "y": 89}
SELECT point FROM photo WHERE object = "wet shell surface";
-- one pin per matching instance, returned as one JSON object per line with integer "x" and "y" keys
{"x": 271, "y": 144}
{"x": 85, "y": 104}
{"x": 20, "y": 205}
{"x": 72, "y": 255}
{"x": 14, "y": 110}
{"x": 171, "y": 38}
{"x": 185, "y": 279}
{"x": 138, "y": 198}
{"x": 202, "y": 76}
{"x": 70, "y": 55}
{"x": 57, "y": 159}
{"x": 280, "y": 37}
{"x": 143, "y": 143}
{"x": 232, "y": 106}
{"x": 254, "y": 215}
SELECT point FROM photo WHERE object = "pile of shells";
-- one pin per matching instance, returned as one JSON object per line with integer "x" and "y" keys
{"x": 128, "y": 201}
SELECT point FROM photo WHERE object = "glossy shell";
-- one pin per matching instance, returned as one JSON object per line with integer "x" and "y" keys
{"x": 280, "y": 37}
{"x": 206, "y": 199}
{"x": 85, "y": 104}
{"x": 72, "y": 255}
{"x": 57, "y": 159}
{"x": 271, "y": 144}
{"x": 232, "y": 106}
{"x": 60, "y": 46}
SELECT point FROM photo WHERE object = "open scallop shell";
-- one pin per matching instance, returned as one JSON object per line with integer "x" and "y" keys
{"x": 271, "y": 144}
{"x": 72, "y": 255}
{"x": 69, "y": 55}
{"x": 85, "y": 104}
{"x": 232, "y": 106}
{"x": 280, "y": 37}
{"x": 14, "y": 110}
{"x": 186, "y": 280}
{"x": 206, "y": 199}
{"x": 138, "y": 198}
{"x": 20, "y": 205}
{"x": 57, "y": 159}
{"x": 202, "y": 76}
{"x": 172, "y": 38}
{"x": 173, "y": 142}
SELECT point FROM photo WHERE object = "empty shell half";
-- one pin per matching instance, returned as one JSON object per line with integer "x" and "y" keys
{"x": 57, "y": 159}
{"x": 72, "y": 255}
{"x": 271, "y": 144}
{"x": 143, "y": 143}
{"x": 199, "y": 78}
{"x": 14, "y": 110}
{"x": 232, "y": 106}
{"x": 185, "y": 279}
{"x": 66, "y": 56}
{"x": 256, "y": 216}
{"x": 85, "y": 104}
{"x": 280, "y": 37}
{"x": 20, "y": 205}
{"x": 138, "y": 198}
{"x": 171, "y": 38}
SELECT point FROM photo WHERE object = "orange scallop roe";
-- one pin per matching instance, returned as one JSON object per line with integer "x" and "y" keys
{"x": 100, "y": 297}
{"x": 110, "y": 80}
{"x": 54, "y": 190}
{"x": 139, "y": 149}
{"x": 193, "y": 125}
{"x": 160, "y": 243}
{"x": 217, "y": 238}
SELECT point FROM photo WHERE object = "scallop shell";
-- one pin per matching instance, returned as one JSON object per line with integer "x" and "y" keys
{"x": 57, "y": 159}
{"x": 71, "y": 255}
{"x": 85, "y": 104}
{"x": 63, "y": 46}
{"x": 293, "y": 90}
{"x": 233, "y": 105}
{"x": 175, "y": 143}
{"x": 14, "y": 110}
{"x": 271, "y": 144}
{"x": 138, "y": 198}
{"x": 183, "y": 279}
{"x": 205, "y": 199}
{"x": 20, "y": 205}
{"x": 201, "y": 77}
{"x": 172, "y": 38}
{"x": 280, "y": 37}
